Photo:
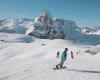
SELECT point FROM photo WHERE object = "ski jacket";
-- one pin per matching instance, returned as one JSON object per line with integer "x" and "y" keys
{"x": 63, "y": 56}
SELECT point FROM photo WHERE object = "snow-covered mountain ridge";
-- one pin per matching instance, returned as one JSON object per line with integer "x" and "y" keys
{"x": 91, "y": 31}
{"x": 12, "y": 25}
{"x": 45, "y": 26}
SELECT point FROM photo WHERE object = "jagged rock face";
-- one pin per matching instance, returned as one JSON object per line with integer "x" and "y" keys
{"x": 45, "y": 27}
{"x": 46, "y": 18}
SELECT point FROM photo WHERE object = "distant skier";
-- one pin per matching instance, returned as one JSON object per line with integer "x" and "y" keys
{"x": 57, "y": 56}
{"x": 78, "y": 52}
{"x": 72, "y": 56}
{"x": 63, "y": 58}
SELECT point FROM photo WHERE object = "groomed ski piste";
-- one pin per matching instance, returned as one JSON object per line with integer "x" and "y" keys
{"x": 20, "y": 60}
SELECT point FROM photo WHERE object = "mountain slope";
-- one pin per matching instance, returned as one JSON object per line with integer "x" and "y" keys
{"x": 34, "y": 61}
{"x": 15, "y": 25}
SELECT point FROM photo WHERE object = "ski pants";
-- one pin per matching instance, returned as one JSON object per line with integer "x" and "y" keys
{"x": 61, "y": 63}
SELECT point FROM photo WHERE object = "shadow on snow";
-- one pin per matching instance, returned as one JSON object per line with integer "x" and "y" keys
{"x": 85, "y": 71}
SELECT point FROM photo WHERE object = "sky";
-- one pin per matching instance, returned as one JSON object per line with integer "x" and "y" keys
{"x": 83, "y": 12}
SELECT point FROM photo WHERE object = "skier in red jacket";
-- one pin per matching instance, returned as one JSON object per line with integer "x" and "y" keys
{"x": 58, "y": 54}
{"x": 72, "y": 56}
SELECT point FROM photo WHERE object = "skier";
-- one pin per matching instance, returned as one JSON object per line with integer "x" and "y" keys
{"x": 78, "y": 51}
{"x": 72, "y": 55}
{"x": 58, "y": 54}
{"x": 63, "y": 58}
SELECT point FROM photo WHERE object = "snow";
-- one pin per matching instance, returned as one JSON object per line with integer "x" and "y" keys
{"x": 7, "y": 37}
{"x": 35, "y": 60}
{"x": 95, "y": 33}
{"x": 91, "y": 31}
{"x": 15, "y": 25}
{"x": 29, "y": 30}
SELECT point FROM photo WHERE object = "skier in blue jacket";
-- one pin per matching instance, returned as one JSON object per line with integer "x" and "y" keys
{"x": 63, "y": 58}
